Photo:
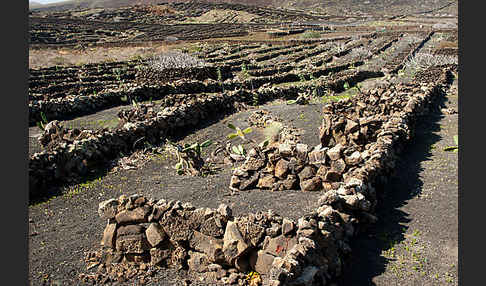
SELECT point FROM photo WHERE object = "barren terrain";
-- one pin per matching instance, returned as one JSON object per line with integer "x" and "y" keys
{"x": 103, "y": 107}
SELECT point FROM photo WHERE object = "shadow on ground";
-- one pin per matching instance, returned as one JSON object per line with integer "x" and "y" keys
{"x": 366, "y": 261}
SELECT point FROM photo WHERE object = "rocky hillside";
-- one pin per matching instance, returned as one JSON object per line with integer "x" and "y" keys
{"x": 33, "y": 5}
{"x": 332, "y": 7}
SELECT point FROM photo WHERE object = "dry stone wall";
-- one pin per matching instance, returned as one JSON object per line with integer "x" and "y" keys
{"x": 70, "y": 159}
{"x": 360, "y": 139}
{"x": 220, "y": 72}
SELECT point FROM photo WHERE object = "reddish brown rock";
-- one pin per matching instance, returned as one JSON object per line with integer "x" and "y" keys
{"x": 285, "y": 150}
{"x": 287, "y": 226}
{"x": 301, "y": 151}
{"x": 250, "y": 182}
{"x": 212, "y": 247}
{"x": 335, "y": 152}
{"x": 108, "y": 209}
{"x": 266, "y": 182}
{"x": 290, "y": 183}
{"x": 338, "y": 166}
{"x": 136, "y": 243}
{"x": 155, "y": 234}
{"x": 312, "y": 184}
{"x": 253, "y": 164}
{"x": 130, "y": 229}
{"x": 109, "y": 235}
{"x": 263, "y": 262}
{"x": 197, "y": 261}
{"x": 158, "y": 255}
{"x": 138, "y": 215}
{"x": 234, "y": 245}
{"x": 318, "y": 156}
{"x": 354, "y": 158}
{"x": 332, "y": 176}
{"x": 281, "y": 168}
{"x": 308, "y": 172}
{"x": 278, "y": 246}
{"x": 351, "y": 126}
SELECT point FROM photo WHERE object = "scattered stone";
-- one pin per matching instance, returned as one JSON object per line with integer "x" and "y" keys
{"x": 250, "y": 182}
{"x": 253, "y": 164}
{"x": 338, "y": 166}
{"x": 290, "y": 183}
{"x": 307, "y": 173}
{"x": 197, "y": 261}
{"x": 278, "y": 246}
{"x": 301, "y": 151}
{"x": 130, "y": 230}
{"x": 317, "y": 157}
{"x": 157, "y": 255}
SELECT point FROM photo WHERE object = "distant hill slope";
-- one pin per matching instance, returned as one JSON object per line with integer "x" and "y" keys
{"x": 33, "y": 5}
{"x": 332, "y": 7}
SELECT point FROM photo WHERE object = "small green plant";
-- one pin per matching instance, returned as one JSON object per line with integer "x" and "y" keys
{"x": 453, "y": 148}
{"x": 220, "y": 77}
{"x": 244, "y": 70}
{"x": 189, "y": 157}
{"x": 255, "y": 98}
{"x": 310, "y": 35}
{"x": 346, "y": 86}
{"x": 42, "y": 124}
{"x": 302, "y": 77}
{"x": 253, "y": 278}
{"x": 118, "y": 72}
{"x": 238, "y": 150}
{"x": 238, "y": 132}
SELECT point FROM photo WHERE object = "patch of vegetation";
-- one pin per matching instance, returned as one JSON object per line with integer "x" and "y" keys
{"x": 310, "y": 35}
{"x": 453, "y": 148}
{"x": 238, "y": 132}
{"x": 42, "y": 124}
{"x": 189, "y": 160}
{"x": 330, "y": 98}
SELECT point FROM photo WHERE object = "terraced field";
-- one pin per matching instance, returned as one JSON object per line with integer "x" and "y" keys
{"x": 118, "y": 152}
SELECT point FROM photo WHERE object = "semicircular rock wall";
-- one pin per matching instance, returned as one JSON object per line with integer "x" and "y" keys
{"x": 360, "y": 140}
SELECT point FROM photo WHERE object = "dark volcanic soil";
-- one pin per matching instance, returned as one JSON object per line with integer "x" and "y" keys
{"x": 65, "y": 227}
{"x": 416, "y": 239}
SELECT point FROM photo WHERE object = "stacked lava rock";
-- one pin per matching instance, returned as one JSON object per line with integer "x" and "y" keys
{"x": 139, "y": 112}
{"x": 143, "y": 234}
{"x": 161, "y": 233}
{"x": 54, "y": 135}
{"x": 349, "y": 128}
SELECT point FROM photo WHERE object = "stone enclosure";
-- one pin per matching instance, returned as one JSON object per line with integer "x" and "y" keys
{"x": 360, "y": 139}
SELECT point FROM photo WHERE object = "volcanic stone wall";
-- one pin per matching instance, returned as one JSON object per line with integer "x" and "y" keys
{"x": 71, "y": 157}
{"x": 197, "y": 73}
{"x": 360, "y": 139}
